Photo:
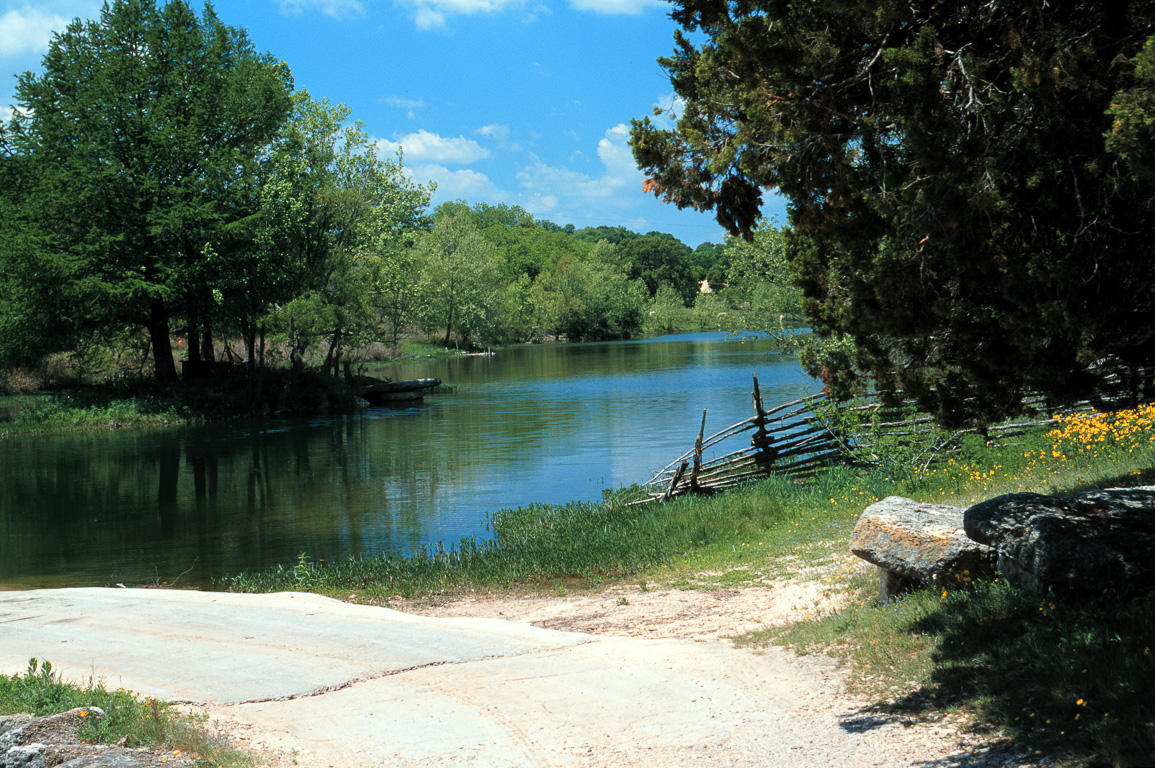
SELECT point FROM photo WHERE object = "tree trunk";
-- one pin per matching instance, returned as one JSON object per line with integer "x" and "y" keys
{"x": 193, "y": 336}
{"x": 207, "y": 349}
{"x": 448, "y": 327}
{"x": 161, "y": 343}
{"x": 249, "y": 331}
{"x": 330, "y": 364}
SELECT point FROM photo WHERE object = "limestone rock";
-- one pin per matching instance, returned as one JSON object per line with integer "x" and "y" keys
{"x": 1085, "y": 542}
{"x": 41, "y": 742}
{"x": 912, "y": 543}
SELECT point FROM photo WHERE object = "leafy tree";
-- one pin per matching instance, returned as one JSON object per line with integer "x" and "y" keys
{"x": 612, "y": 235}
{"x": 139, "y": 128}
{"x": 708, "y": 262}
{"x": 590, "y": 298}
{"x": 760, "y": 277}
{"x": 667, "y": 311}
{"x": 338, "y": 221}
{"x": 657, "y": 258}
{"x": 969, "y": 184}
{"x": 34, "y": 303}
{"x": 461, "y": 281}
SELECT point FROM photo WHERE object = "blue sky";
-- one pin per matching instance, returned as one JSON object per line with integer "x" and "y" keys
{"x": 524, "y": 102}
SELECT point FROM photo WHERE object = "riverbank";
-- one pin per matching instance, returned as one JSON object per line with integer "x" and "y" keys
{"x": 65, "y": 397}
{"x": 929, "y": 655}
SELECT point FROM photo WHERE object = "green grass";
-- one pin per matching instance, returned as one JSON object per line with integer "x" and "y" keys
{"x": 83, "y": 409}
{"x": 587, "y": 543}
{"x": 129, "y": 720}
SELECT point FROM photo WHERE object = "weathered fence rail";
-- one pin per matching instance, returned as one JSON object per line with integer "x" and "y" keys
{"x": 798, "y": 438}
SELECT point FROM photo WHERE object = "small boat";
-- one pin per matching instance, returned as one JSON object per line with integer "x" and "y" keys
{"x": 380, "y": 392}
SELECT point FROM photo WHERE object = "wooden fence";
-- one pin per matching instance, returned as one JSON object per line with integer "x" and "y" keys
{"x": 798, "y": 438}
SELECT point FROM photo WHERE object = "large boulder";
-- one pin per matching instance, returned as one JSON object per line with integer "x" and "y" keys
{"x": 1084, "y": 542}
{"x": 914, "y": 544}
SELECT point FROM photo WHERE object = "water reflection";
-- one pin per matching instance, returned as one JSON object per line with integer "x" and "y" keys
{"x": 530, "y": 424}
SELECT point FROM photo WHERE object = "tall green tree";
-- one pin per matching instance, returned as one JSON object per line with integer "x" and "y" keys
{"x": 656, "y": 258}
{"x": 35, "y": 311}
{"x": 138, "y": 128}
{"x": 461, "y": 280}
{"x": 337, "y": 223}
{"x": 969, "y": 184}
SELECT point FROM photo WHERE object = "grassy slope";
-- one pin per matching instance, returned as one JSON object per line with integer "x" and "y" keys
{"x": 129, "y": 720}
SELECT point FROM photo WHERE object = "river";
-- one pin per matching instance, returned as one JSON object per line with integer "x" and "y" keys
{"x": 547, "y": 423}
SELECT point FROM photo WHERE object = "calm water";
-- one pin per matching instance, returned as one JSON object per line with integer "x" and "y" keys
{"x": 533, "y": 424}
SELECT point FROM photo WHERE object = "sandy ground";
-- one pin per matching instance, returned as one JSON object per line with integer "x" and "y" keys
{"x": 631, "y": 611}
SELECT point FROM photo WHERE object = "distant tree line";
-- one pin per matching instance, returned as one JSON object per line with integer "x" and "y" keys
{"x": 164, "y": 190}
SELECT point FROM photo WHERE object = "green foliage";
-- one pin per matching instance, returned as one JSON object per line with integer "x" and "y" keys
{"x": 968, "y": 185}
{"x": 758, "y": 274}
{"x": 900, "y": 441}
{"x": 1132, "y": 133}
{"x": 128, "y": 720}
{"x": 667, "y": 312}
{"x": 589, "y": 298}
{"x": 332, "y": 242}
{"x": 656, "y": 258}
{"x": 139, "y": 157}
{"x": 460, "y": 280}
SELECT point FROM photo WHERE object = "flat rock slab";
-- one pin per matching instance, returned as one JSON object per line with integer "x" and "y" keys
{"x": 183, "y": 645}
{"x": 362, "y": 687}
{"x": 914, "y": 543}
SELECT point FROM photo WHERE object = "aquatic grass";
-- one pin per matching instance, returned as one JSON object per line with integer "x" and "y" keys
{"x": 586, "y": 541}
{"x": 129, "y": 719}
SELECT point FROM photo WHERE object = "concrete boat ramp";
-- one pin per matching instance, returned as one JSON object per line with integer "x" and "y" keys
{"x": 352, "y": 686}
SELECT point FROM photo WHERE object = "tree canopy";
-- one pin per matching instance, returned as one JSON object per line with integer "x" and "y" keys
{"x": 142, "y": 133}
{"x": 969, "y": 185}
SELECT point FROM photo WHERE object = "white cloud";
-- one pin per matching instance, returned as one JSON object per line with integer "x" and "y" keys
{"x": 402, "y": 102}
{"x": 28, "y": 30}
{"x": 615, "y": 153}
{"x": 495, "y": 131}
{"x": 433, "y": 14}
{"x": 411, "y": 106}
{"x": 426, "y": 147}
{"x": 546, "y": 188}
{"x": 616, "y": 7}
{"x": 462, "y": 184}
{"x": 337, "y": 9}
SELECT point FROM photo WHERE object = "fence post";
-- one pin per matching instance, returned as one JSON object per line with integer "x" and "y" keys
{"x": 761, "y": 441}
